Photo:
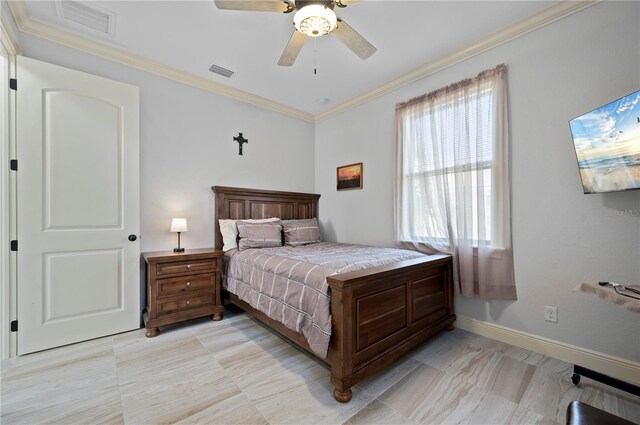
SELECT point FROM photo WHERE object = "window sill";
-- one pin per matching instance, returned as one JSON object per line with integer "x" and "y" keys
{"x": 493, "y": 252}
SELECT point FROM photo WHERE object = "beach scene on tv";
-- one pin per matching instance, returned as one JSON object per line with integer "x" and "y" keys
{"x": 607, "y": 143}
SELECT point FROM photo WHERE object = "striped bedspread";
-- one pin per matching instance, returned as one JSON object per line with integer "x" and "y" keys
{"x": 289, "y": 284}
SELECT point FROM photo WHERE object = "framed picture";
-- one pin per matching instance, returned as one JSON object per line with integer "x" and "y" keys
{"x": 349, "y": 176}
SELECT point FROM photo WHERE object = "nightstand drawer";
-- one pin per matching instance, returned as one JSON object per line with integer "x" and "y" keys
{"x": 194, "y": 266}
{"x": 185, "y": 303}
{"x": 185, "y": 284}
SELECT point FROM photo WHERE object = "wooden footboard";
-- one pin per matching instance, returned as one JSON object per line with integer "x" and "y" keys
{"x": 379, "y": 314}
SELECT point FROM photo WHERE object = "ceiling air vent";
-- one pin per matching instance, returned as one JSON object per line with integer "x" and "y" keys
{"x": 87, "y": 15}
{"x": 221, "y": 71}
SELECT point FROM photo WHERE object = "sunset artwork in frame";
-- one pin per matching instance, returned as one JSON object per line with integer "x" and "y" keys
{"x": 349, "y": 176}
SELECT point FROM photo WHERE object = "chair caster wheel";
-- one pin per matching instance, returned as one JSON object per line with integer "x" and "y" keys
{"x": 575, "y": 379}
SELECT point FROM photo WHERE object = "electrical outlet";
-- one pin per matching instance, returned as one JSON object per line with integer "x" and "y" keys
{"x": 551, "y": 314}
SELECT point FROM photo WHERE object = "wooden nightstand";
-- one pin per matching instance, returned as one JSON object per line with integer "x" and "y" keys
{"x": 182, "y": 286}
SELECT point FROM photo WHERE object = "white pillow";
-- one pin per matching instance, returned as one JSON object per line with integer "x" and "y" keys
{"x": 229, "y": 231}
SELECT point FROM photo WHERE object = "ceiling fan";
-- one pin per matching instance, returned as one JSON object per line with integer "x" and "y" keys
{"x": 312, "y": 18}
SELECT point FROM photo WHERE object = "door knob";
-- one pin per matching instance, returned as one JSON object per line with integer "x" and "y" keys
{"x": 132, "y": 238}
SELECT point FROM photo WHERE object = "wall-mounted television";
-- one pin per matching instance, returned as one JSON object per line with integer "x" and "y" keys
{"x": 607, "y": 144}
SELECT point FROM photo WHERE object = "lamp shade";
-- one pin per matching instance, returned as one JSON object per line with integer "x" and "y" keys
{"x": 178, "y": 225}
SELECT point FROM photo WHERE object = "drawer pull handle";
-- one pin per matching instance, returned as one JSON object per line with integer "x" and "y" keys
{"x": 188, "y": 266}
{"x": 188, "y": 302}
{"x": 188, "y": 284}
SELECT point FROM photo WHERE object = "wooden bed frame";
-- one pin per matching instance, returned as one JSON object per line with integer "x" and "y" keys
{"x": 377, "y": 314}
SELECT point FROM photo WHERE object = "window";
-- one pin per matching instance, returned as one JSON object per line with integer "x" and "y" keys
{"x": 463, "y": 163}
{"x": 452, "y": 180}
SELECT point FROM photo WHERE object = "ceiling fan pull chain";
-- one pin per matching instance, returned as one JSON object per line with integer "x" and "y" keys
{"x": 315, "y": 57}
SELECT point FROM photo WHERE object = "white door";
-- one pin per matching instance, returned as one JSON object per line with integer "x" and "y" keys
{"x": 78, "y": 202}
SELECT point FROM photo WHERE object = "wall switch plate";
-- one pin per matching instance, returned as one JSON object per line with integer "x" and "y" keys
{"x": 551, "y": 314}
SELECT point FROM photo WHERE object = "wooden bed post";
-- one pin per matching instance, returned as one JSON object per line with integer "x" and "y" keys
{"x": 342, "y": 337}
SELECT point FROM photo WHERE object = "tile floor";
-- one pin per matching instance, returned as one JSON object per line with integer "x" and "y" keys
{"x": 238, "y": 372}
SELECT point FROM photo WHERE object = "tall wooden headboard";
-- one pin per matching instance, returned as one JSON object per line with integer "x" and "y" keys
{"x": 238, "y": 203}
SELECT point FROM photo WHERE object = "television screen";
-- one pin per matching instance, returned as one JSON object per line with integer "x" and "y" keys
{"x": 607, "y": 143}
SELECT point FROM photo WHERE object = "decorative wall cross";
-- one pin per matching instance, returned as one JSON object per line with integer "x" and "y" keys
{"x": 241, "y": 140}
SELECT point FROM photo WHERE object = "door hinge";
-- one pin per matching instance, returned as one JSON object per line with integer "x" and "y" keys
{"x": 13, "y": 164}
{"x": 13, "y": 84}
{"x": 14, "y": 326}
{"x": 14, "y": 245}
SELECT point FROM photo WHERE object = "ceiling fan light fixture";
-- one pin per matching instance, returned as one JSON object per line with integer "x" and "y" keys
{"x": 315, "y": 20}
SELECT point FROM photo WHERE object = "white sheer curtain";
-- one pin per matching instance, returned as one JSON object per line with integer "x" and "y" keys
{"x": 452, "y": 181}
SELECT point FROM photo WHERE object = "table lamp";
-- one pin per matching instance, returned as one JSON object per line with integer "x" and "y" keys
{"x": 178, "y": 225}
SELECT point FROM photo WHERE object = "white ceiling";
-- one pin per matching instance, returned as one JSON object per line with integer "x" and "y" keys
{"x": 193, "y": 35}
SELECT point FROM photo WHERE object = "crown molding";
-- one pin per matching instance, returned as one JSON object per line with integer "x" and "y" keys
{"x": 8, "y": 36}
{"x": 545, "y": 17}
{"x": 520, "y": 28}
{"x": 30, "y": 26}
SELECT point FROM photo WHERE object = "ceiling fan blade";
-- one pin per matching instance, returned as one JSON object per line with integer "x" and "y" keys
{"x": 354, "y": 41}
{"x": 254, "y": 5}
{"x": 293, "y": 48}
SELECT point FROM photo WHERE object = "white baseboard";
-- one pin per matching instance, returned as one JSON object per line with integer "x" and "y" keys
{"x": 626, "y": 370}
